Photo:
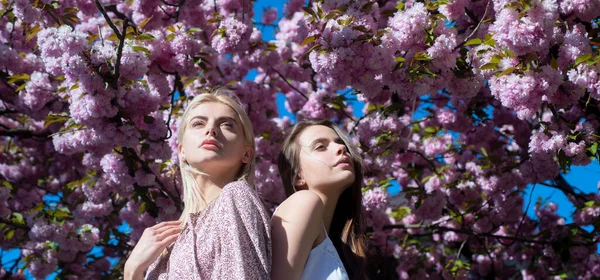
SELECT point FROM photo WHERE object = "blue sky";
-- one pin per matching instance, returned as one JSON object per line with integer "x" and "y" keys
{"x": 585, "y": 178}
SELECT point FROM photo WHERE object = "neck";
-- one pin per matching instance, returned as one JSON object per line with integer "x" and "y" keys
{"x": 211, "y": 186}
{"x": 329, "y": 203}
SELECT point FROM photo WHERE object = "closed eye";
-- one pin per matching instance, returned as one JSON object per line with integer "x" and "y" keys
{"x": 320, "y": 147}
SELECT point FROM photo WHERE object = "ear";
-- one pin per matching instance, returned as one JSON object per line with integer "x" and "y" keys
{"x": 181, "y": 154}
{"x": 299, "y": 182}
{"x": 248, "y": 153}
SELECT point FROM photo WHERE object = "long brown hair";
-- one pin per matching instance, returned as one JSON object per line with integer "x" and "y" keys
{"x": 347, "y": 225}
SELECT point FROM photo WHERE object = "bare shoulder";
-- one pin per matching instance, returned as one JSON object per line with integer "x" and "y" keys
{"x": 302, "y": 206}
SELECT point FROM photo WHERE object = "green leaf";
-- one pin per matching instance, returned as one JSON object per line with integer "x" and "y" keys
{"x": 361, "y": 28}
{"x": 32, "y": 32}
{"x": 72, "y": 185}
{"x": 589, "y": 203}
{"x": 489, "y": 66}
{"x": 170, "y": 37}
{"x": 21, "y": 87}
{"x": 146, "y": 37}
{"x": 61, "y": 212}
{"x": 271, "y": 46}
{"x": 474, "y": 41}
{"x": 422, "y": 56}
{"x": 142, "y": 208}
{"x": 7, "y": 184}
{"x": 40, "y": 206}
{"x": 52, "y": 118}
{"x": 507, "y": 71}
{"x": 490, "y": 42}
{"x": 400, "y": 213}
{"x": 144, "y": 22}
{"x": 9, "y": 234}
{"x": 71, "y": 11}
{"x": 431, "y": 130}
{"x": 400, "y": 59}
{"x": 496, "y": 59}
{"x": 574, "y": 231}
{"x": 347, "y": 21}
{"x": 484, "y": 152}
{"x": 310, "y": 11}
{"x": 574, "y": 136}
{"x": 114, "y": 37}
{"x": 141, "y": 49}
{"x": 70, "y": 18}
{"x": 310, "y": 39}
{"x": 367, "y": 7}
{"x": 582, "y": 58}
{"x": 17, "y": 218}
{"x": 314, "y": 47}
{"x": 593, "y": 149}
{"x": 18, "y": 78}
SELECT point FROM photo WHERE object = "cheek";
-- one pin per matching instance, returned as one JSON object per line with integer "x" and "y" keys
{"x": 314, "y": 166}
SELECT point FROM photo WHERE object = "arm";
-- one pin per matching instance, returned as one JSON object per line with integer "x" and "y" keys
{"x": 245, "y": 249}
{"x": 295, "y": 228}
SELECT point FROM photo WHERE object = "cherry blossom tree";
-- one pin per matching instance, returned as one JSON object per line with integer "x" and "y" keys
{"x": 91, "y": 93}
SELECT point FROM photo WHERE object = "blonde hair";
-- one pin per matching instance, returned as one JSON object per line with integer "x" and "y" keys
{"x": 193, "y": 200}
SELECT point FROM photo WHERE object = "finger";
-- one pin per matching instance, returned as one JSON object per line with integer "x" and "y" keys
{"x": 165, "y": 228}
{"x": 169, "y": 223}
{"x": 169, "y": 232}
{"x": 169, "y": 240}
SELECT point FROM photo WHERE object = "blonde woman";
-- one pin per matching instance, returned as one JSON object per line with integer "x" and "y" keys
{"x": 224, "y": 231}
{"x": 318, "y": 230}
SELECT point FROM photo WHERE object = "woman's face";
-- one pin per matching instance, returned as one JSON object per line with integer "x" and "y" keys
{"x": 325, "y": 163}
{"x": 213, "y": 141}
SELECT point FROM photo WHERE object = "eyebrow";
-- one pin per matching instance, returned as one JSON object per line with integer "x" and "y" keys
{"x": 323, "y": 139}
{"x": 218, "y": 119}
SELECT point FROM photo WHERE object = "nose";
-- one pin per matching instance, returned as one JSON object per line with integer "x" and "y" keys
{"x": 210, "y": 130}
{"x": 341, "y": 149}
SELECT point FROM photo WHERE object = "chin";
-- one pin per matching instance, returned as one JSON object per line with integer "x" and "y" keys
{"x": 347, "y": 181}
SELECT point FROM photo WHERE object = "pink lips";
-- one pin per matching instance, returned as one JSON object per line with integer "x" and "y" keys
{"x": 210, "y": 144}
{"x": 344, "y": 160}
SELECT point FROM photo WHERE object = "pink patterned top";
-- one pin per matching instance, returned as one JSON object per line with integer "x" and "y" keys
{"x": 230, "y": 239}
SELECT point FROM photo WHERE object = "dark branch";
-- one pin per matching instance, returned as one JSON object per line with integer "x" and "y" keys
{"x": 107, "y": 18}
{"x": 11, "y": 223}
{"x": 23, "y": 133}
{"x": 476, "y": 27}
{"x": 289, "y": 84}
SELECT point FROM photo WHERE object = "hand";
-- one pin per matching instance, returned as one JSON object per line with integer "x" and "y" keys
{"x": 153, "y": 242}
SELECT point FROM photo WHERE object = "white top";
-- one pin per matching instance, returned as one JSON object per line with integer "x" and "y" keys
{"x": 323, "y": 262}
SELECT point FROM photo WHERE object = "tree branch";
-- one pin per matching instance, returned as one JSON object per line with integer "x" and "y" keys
{"x": 23, "y": 133}
{"x": 107, "y": 18}
{"x": 471, "y": 233}
{"x": 114, "y": 82}
{"x": 177, "y": 85}
{"x": 11, "y": 223}
{"x": 476, "y": 27}
{"x": 288, "y": 83}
